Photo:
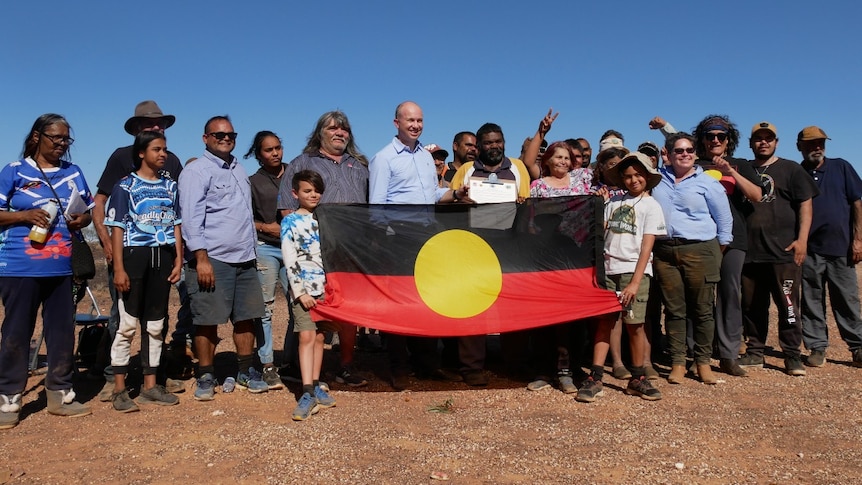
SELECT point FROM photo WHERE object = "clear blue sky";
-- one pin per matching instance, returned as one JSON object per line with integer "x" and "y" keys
{"x": 279, "y": 65}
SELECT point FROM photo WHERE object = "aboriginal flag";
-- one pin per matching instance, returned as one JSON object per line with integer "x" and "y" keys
{"x": 459, "y": 269}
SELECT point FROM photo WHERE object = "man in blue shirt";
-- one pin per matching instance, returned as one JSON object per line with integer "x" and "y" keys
{"x": 834, "y": 248}
{"x": 218, "y": 229}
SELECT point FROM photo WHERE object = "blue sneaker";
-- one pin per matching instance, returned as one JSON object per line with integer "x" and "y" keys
{"x": 324, "y": 400}
{"x": 305, "y": 407}
{"x": 205, "y": 390}
{"x": 251, "y": 380}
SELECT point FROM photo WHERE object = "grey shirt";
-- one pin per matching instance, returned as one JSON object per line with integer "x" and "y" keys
{"x": 346, "y": 181}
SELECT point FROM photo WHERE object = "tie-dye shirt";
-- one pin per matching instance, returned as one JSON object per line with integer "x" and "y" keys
{"x": 300, "y": 247}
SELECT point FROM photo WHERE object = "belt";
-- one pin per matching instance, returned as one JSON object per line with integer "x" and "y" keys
{"x": 678, "y": 241}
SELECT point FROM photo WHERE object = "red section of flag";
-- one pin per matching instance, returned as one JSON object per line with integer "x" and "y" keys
{"x": 526, "y": 300}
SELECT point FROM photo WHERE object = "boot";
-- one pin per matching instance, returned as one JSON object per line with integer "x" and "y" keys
{"x": 62, "y": 403}
{"x": 10, "y": 406}
{"x": 677, "y": 374}
{"x": 706, "y": 375}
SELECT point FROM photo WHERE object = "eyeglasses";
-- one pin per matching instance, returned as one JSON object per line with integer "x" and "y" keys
{"x": 680, "y": 151}
{"x": 59, "y": 139}
{"x": 766, "y": 140}
{"x": 711, "y": 136}
{"x": 220, "y": 135}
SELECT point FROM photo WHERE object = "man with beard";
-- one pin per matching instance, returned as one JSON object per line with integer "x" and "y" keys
{"x": 491, "y": 161}
{"x": 777, "y": 241}
{"x": 463, "y": 151}
{"x": 834, "y": 248}
{"x": 331, "y": 152}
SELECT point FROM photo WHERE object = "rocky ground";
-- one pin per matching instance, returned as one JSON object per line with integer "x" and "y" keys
{"x": 767, "y": 428}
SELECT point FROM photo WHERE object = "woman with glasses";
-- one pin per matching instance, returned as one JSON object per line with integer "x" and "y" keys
{"x": 716, "y": 140}
{"x": 687, "y": 261}
{"x": 37, "y": 271}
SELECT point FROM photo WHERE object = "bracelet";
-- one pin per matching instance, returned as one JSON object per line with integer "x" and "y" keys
{"x": 455, "y": 196}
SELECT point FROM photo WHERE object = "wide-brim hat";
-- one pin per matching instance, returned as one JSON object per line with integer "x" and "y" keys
{"x": 147, "y": 110}
{"x": 614, "y": 177}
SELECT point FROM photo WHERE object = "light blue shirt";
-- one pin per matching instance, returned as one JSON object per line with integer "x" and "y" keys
{"x": 215, "y": 200}
{"x": 400, "y": 176}
{"x": 696, "y": 208}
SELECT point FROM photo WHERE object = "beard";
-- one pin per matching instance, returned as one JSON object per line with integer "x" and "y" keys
{"x": 492, "y": 157}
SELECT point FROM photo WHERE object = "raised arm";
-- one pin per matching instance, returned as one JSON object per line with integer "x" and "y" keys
{"x": 532, "y": 151}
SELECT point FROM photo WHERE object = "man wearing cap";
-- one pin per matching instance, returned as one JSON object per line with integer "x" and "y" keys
{"x": 586, "y": 150}
{"x": 464, "y": 150}
{"x": 148, "y": 117}
{"x": 439, "y": 155}
{"x": 834, "y": 248}
{"x": 777, "y": 230}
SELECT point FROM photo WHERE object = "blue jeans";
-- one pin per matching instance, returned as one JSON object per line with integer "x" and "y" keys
{"x": 818, "y": 273}
{"x": 270, "y": 268}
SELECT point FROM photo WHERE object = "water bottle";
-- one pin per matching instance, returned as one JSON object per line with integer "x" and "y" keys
{"x": 40, "y": 234}
{"x": 229, "y": 385}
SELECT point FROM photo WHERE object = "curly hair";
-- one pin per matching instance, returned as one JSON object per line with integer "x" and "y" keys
{"x": 715, "y": 122}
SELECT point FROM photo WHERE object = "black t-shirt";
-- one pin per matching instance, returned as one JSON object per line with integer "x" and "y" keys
{"x": 740, "y": 207}
{"x": 121, "y": 164}
{"x": 774, "y": 222}
{"x": 264, "y": 199}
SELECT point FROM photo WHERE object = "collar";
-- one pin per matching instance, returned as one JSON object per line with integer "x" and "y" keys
{"x": 218, "y": 161}
{"x": 401, "y": 148}
{"x": 505, "y": 164}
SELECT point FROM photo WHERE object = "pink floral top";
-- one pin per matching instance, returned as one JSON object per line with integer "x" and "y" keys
{"x": 579, "y": 184}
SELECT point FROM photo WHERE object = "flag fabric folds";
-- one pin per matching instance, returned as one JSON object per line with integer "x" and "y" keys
{"x": 459, "y": 269}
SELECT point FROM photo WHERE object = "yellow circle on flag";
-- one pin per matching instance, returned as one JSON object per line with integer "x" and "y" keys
{"x": 714, "y": 174}
{"x": 457, "y": 274}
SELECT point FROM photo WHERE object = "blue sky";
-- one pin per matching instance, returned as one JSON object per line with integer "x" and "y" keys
{"x": 279, "y": 65}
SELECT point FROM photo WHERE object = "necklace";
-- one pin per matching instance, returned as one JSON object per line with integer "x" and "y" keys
{"x": 765, "y": 165}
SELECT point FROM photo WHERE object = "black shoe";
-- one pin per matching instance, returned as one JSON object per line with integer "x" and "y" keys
{"x": 793, "y": 366}
{"x": 816, "y": 358}
{"x": 750, "y": 361}
{"x": 290, "y": 373}
{"x": 400, "y": 382}
{"x": 442, "y": 375}
{"x": 857, "y": 358}
{"x": 731, "y": 367}
{"x": 475, "y": 378}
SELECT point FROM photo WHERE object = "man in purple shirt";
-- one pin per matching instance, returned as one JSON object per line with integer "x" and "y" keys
{"x": 220, "y": 240}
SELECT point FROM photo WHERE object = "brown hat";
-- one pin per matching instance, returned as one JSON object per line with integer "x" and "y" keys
{"x": 650, "y": 146}
{"x": 812, "y": 133}
{"x": 614, "y": 177}
{"x": 147, "y": 110}
{"x": 764, "y": 125}
{"x": 434, "y": 149}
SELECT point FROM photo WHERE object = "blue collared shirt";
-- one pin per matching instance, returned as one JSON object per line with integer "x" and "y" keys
{"x": 696, "y": 208}
{"x": 400, "y": 176}
{"x": 215, "y": 199}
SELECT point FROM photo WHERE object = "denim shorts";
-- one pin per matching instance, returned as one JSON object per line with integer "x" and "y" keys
{"x": 236, "y": 296}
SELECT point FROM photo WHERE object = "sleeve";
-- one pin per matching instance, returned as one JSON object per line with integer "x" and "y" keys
{"x": 193, "y": 187}
{"x": 118, "y": 207}
{"x": 458, "y": 180}
{"x": 115, "y": 170}
{"x": 378, "y": 179}
{"x": 176, "y": 201}
{"x": 534, "y": 188}
{"x": 173, "y": 166}
{"x": 7, "y": 183}
{"x": 719, "y": 208}
{"x": 852, "y": 183}
{"x": 654, "y": 219}
{"x": 84, "y": 188}
{"x": 523, "y": 178}
{"x": 667, "y": 130}
{"x": 290, "y": 255}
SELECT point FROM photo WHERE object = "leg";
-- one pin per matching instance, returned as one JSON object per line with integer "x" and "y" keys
{"x": 58, "y": 321}
{"x": 701, "y": 269}
{"x": 757, "y": 283}
{"x": 728, "y": 305}
{"x": 307, "y": 340}
{"x": 20, "y": 302}
{"x": 844, "y": 296}
{"x": 786, "y": 294}
{"x": 670, "y": 280}
{"x": 814, "y": 331}
{"x": 268, "y": 268}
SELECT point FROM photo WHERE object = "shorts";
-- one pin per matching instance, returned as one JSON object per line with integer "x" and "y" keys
{"x": 236, "y": 297}
{"x": 637, "y": 312}
{"x": 148, "y": 269}
{"x": 304, "y": 323}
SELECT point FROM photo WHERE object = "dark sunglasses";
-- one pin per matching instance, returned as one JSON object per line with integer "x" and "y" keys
{"x": 220, "y": 135}
{"x": 59, "y": 139}
{"x": 710, "y": 136}
{"x": 680, "y": 151}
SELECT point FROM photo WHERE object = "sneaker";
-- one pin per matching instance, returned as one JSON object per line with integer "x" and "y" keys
{"x": 272, "y": 379}
{"x": 567, "y": 385}
{"x": 205, "y": 390}
{"x": 651, "y": 373}
{"x": 857, "y": 358}
{"x": 10, "y": 407}
{"x": 157, "y": 395}
{"x": 344, "y": 376}
{"x": 252, "y": 381}
{"x": 816, "y": 358}
{"x": 793, "y": 366}
{"x": 475, "y": 378}
{"x": 538, "y": 385}
{"x": 400, "y": 382}
{"x": 643, "y": 387}
{"x": 589, "y": 390}
{"x": 305, "y": 407}
{"x": 290, "y": 373}
{"x": 324, "y": 400}
{"x": 107, "y": 392}
{"x": 750, "y": 361}
{"x": 621, "y": 372}
{"x": 175, "y": 386}
{"x": 731, "y": 367}
{"x": 122, "y": 402}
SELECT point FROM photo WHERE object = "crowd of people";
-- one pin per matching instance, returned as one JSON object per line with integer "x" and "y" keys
{"x": 692, "y": 233}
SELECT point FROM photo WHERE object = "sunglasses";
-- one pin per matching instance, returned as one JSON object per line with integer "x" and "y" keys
{"x": 680, "y": 151}
{"x": 59, "y": 139}
{"x": 766, "y": 140}
{"x": 220, "y": 135}
{"x": 711, "y": 136}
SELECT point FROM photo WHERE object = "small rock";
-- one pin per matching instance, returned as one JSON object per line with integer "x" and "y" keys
{"x": 679, "y": 465}
{"x": 442, "y": 476}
